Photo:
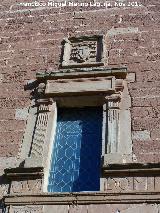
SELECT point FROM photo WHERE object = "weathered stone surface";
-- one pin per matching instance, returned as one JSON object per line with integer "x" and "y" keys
{"x": 1, "y": 78}
{"x": 56, "y": 209}
{"x": 24, "y": 209}
{"x": 3, "y": 190}
{"x": 117, "y": 31}
{"x": 26, "y": 187}
{"x": 142, "y": 208}
{"x": 109, "y": 208}
{"x": 119, "y": 158}
{"x": 79, "y": 85}
{"x": 141, "y": 135}
{"x": 78, "y": 209}
{"x": 100, "y": 208}
{"x": 131, "y": 184}
{"x": 131, "y": 77}
{"x": 7, "y": 162}
{"x": 21, "y": 114}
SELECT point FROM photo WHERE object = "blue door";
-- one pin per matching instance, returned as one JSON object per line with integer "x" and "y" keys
{"x": 75, "y": 163}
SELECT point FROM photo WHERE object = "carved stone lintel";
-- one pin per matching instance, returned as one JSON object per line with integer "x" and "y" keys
{"x": 66, "y": 87}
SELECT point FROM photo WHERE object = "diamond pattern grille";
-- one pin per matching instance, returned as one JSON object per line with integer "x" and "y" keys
{"x": 75, "y": 164}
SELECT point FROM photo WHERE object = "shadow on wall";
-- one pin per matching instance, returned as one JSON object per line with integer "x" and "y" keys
{"x": 4, "y": 189}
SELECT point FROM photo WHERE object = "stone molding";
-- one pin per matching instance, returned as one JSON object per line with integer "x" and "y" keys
{"x": 118, "y": 72}
{"x": 24, "y": 180}
{"x": 116, "y": 191}
{"x": 23, "y": 173}
{"x": 131, "y": 169}
{"x": 83, "y": 198}
{"x": 131, "y": 178}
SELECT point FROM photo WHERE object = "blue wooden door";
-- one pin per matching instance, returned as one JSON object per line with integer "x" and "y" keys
{"x": 75, "y": 164}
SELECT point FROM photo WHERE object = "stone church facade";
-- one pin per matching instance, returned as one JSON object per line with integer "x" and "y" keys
{"x": 103, "y": 57}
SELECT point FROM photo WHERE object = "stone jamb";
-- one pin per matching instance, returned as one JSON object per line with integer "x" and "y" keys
{"x": 119, "y": 121}
{"x": 36, "y": 154}
{"x": 48, "y": 146}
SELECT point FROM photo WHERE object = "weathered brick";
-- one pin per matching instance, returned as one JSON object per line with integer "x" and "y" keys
{"x": 7, "y": 114}
{"x": 145, "y": 123}
{"x": 13, "y": 103}
{"x": 13, "y": 90}
{"x": 150, "y": 112}
{"x": 155, "y": 134}
{"x": 144, "y": 147}
{"x": 9, "y": 150}
{"x": 148, "y": 101}
{"x": 149, "y": 157}
{"x": 9, "y": 137}
{"x": 12, "y": 125}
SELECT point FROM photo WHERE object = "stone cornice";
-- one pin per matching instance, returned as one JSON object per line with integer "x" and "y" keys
{"x": 83, "y": 72}
{"x": 23, "y": 173}
{"x": 82, "y": 198}
{"x": 131, "y": 169}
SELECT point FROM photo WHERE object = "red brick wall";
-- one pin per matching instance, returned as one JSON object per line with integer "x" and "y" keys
{"x": 30, "y": 41}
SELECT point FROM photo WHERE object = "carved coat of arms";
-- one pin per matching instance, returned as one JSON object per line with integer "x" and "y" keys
{"x": 83, "y": 51}
{"x": 80, "y": 53}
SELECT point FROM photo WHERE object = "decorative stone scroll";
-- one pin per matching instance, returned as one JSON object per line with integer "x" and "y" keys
{"x": 83, "y": 51}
